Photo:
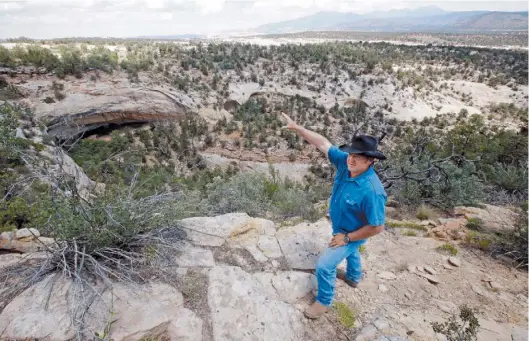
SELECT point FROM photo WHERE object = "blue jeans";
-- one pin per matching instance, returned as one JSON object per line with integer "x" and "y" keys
{"x": 326, "y": 269}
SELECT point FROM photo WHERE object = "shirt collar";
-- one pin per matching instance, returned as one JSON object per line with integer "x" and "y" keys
{"x": 365, "y": 175}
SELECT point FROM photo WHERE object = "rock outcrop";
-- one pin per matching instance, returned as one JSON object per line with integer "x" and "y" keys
{"x": 82, "y": 112}
{"x": 24, "y": 241}
{"x": 241, "y": 278}
{"x": 494, "y": 218}
{"x": 89, "y": 105}
{"x": 47, "y": 310}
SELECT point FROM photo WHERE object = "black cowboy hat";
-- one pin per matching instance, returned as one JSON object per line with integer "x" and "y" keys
{"x": 365, "y": 145}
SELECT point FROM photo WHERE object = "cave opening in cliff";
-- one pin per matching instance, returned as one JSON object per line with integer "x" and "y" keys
{"x": 104, "y": 132}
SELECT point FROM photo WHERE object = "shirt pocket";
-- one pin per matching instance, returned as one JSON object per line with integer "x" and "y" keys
{"x": 351, "y": 204}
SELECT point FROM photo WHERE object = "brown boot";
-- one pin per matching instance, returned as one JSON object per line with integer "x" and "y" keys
{"x": 315, "y": 310}
{"x": 342, "y": 275}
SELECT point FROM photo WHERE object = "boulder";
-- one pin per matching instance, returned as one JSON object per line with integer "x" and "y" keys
{"x": 27, "y": 233}
{"x": 61, "y": 164}
{"x": 9, "y": 241}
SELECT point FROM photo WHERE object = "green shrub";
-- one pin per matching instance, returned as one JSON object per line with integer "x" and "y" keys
{"x": 59, "y": 95}
{"x": 464, "y": 329}
{"x": 243, "y": 193}
{"x": 102, "y": 59}
{"x": 424, "y": 212}
{"x": 458, "y": 185}
{"x": 409, "y": 233}
{"x": 18, "y": 213}
{"x": 5, "y": 57}
{"x": 449, "y": 248}
{"x": 257, "y": 195}
{"x": 475, "y": 224}
{"x": 291, "y": 202}
{"x": 110, "y": 220}
{"x": 512, "y": 178}
{"x": 514, "y": 241}
{"x": 345, "y": 315}
{"x": 482, "y": 241}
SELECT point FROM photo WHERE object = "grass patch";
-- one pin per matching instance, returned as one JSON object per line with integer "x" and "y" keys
{"x": 478, "y": 240}
{"x": 345, "y": 315}
{"x": 362, "y": 249}
{"x": 406, "y": 224}
{"x": 409, "y": 233}
{"x": 424, "y": 212}
{"x": 449, "y": 248}
{"x": 475, "y": 224}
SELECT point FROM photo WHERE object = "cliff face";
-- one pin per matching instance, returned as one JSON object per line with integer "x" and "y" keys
{"x": 71, "y": 107}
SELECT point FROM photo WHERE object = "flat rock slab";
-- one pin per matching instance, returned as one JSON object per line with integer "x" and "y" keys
{"x": 256, "y": 253}
{"x": 146, "y": 312}
{"x": 431, "y": 278}
{"x": 213, "y": 231}
{"x": 139, "y": 312}
{"x": 446, "y": 306}
{"x": 386, "y": 275}
{"x": 303, "y": 243}
{"x": 290, "y": 286}
{"x": 269, "y": 246}
{"x": 26, "y": 316}
{"x": 493, "y": 331}
{"x": 454, "y": 261}
{"x": 430, "y": 270}
{"x": 242, "y": 310}
{"x": 192, "y": 256}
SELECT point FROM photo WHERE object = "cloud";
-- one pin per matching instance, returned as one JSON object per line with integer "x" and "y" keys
{"x": 210, "y": 6}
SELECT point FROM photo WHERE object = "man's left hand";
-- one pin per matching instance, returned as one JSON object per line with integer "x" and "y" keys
{"x": 337, "y": 240}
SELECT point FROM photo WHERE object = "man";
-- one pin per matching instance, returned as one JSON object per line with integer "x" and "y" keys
{"x": 356, "y": 210}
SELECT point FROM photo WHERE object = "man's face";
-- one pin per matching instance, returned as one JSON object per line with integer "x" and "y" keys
{"x": 357, "y": 163}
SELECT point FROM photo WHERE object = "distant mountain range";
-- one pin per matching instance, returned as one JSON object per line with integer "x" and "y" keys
{"x": 429, "y": 18}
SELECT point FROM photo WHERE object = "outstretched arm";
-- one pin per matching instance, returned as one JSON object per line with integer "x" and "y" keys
{"x": 313, "y": 138}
